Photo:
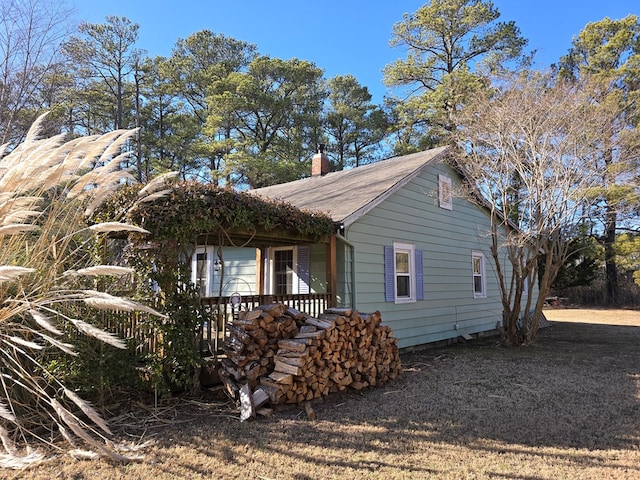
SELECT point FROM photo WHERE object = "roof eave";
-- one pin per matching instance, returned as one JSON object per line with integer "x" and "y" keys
{"x": 361, "y": 212}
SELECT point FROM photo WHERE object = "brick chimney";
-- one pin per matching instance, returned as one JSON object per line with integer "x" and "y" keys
{"x": 320, "y": 162}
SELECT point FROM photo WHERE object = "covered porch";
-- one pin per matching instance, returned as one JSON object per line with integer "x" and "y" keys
{"x": 229, "y": 286}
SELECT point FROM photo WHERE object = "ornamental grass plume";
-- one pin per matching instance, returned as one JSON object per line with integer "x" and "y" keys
{"x": 47, "y": 281}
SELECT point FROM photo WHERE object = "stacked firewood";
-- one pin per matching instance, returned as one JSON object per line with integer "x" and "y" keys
{"x": 276, "y": 354}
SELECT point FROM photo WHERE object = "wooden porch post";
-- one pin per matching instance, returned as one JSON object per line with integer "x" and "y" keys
{"x": 260, "y": 256}
{"x": 331, "y": 264}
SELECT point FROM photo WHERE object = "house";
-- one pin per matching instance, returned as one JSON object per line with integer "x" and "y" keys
{"x": 404, "y": 245}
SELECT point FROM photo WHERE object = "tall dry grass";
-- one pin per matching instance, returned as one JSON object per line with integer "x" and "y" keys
{"x": 48, "y": 188}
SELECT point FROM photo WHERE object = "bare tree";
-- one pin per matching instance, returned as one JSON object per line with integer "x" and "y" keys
{"x": 31, "y": 32}
{"x": 526, "y": 150}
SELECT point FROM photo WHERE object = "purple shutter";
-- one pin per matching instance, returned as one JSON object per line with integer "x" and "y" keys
{"x": 304, "y": 274}
{"x": 419, "y": 275}
{"x": 389, "y": 274}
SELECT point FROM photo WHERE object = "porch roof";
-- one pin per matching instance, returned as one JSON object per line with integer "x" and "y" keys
{"x": 260, "y": 238}
{"x": 347, "y": 195}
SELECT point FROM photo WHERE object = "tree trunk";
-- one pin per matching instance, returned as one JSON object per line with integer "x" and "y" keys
{"x": 610, "y": 255}
{"x": 141, "y": 177}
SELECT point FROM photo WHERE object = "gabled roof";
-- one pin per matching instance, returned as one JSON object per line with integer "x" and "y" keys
{"x": 347, "y": 195}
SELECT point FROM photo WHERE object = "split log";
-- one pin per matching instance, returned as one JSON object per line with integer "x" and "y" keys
{"x": 292, "y": 345}
{"x": 311, "y": 414}
{"x": 316, "y": 322}
{"x": 345, "y": 312}
{"x": 248, "y": 318}
{"x": 294, "y": 361}
{"x": 259, "y": 397}
{"x": 231, "y": 387}
{"x": 246, "y": 403}
{"x": 286, "y": 368}
{"x": 317, "y": 334}
{"x": 281, "y": 378}
{"x": 293, "y": 313}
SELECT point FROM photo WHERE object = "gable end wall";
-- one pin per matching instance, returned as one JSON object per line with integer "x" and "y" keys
{"x": 447, "y": 238}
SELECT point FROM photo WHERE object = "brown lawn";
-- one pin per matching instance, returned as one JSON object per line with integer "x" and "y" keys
{"x": 567, "y": 407}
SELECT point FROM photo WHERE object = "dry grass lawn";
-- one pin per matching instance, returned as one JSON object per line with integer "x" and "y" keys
{"x": 567, "y": 407}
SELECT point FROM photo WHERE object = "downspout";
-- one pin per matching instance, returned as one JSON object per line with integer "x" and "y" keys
{"x": 353, "y": 266}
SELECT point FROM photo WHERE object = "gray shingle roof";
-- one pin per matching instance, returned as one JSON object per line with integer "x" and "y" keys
{"x": 348, "y": 194}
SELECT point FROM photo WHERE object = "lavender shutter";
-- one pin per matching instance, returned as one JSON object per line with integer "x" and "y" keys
{"x": 389, "y": 275}
{"x": 419, "y": 275}
{"x": 304, "y": 274}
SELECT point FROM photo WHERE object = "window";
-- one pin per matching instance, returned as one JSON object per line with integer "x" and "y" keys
{"x": 283, "y": 272}
{"x": 404, "y": 281}
{"x": 288, "y": 270}
{"x": 479, "y": 281}
{"x": 444, "y": 192}
{"x": 403, "y": 274}
{"x": 201, "y": 269}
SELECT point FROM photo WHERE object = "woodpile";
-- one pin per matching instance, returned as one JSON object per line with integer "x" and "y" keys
{"x": 276, "y": 354}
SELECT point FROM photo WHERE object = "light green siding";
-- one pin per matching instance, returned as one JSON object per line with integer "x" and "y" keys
{"x": 447, "y": 239}
{"x": 239, "y": 272}
{"x": 318, "y": 269}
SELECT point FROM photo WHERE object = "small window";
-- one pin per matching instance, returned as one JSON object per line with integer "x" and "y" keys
{"x": 403, "y": 273}
{"x": 445, "y": 199}
{"x": 479, "y": 281}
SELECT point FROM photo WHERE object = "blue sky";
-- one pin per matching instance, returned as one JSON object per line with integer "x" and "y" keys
{"x": 339, "y": 36}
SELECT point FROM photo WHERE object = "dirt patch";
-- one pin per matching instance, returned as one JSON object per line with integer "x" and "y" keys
{"x": 566, "y": 407}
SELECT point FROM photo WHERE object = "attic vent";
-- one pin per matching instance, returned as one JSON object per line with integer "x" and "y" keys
{"x": 444, "y": 192}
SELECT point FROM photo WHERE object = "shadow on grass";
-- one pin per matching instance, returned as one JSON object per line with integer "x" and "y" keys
{"x": 572, "y": 395}
{"x": 577, "y": 387}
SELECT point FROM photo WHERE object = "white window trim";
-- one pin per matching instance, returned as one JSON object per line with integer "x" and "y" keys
{"x": 410, "y": 249}
{"x": 268, "y": 281}
{"x": 483, "y": 275}
{"x": 208, "y": 274}
{"x": 445, "y": 194}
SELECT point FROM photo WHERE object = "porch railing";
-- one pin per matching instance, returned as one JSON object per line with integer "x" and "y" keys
{"x": 219, "y": 311}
